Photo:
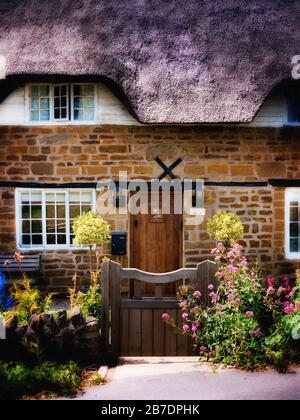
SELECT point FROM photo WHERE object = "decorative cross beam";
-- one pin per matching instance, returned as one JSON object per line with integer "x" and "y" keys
{"x": 167, "y": 170}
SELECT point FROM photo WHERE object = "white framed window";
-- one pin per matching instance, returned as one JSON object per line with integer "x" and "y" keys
{"x": 74, "y": 102}
{"x": 44, "y": 217}
{"x": 292, "y": 223}
{"x": 39, "y": 102}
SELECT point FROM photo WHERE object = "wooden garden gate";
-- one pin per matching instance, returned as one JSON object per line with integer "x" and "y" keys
{"x": 133, "y": 326}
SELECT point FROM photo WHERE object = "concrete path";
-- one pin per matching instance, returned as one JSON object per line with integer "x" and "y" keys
{"x": 184, "y": 378}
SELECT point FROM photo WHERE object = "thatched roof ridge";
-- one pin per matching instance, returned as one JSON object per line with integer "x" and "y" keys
{"x": 176, "y": 61}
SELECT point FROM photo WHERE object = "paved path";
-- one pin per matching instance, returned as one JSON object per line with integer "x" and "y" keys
{"x": 184, "y": 378}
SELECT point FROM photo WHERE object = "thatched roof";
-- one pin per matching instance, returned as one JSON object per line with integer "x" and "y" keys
{"x": 176, "y": 61}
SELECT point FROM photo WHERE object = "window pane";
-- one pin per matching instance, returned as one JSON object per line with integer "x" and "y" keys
{"x": 50, "y": 211}
{"x": 86, "y": 208}
{"x": 89, "y": 115}
{"x": 294, "y": 230}
{"x": 45, "y": 103}
{"x": 74, "y": 211}
{"x": 50, "y": 239}
{"x": 25, "y": 212}
{"x": 36, "y": 212}
{"x": 25, "y": 239}
{"x": 83, "y": 102}
{"x": 60, "y": 197}
{"x": 74, "y": 196}
{"x": 63, "y": 113}
{"x": 50, "y": 197}
{"x": 294, "y": 245}
{"x": 34, "y": 104}
{"x": 56, "y": 113}
{"x": 34, "y": 115}
{"x": 61, "y": 211}
{"x": 50, "y": 226}
{"x": 37, "y": 239}
{"x": 36, "y": 226}
{"x": 39, "y": 104}
{"x": 61, "y": 225}
{"x": 26, "y": 226}
{"x": 36, "y": 197}
{"x": 45, "y": 115}
{"x": 34, "y": 91}
{"x": 78, "y": 115}
{"x": 61, "y": 239}
{"x": 44, "y": 90}
{"x": 294, "y": 214}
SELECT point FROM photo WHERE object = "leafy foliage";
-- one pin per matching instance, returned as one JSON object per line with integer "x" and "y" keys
{"x": 89, "y": 301}
{"x": 90, "y": 230}
{"x": 28, "y": 301}
{"x": 225, "y": 226}
{"x": 17, "y": 379}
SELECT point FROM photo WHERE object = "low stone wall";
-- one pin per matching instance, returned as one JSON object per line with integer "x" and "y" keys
{"x": 59, "y": 335}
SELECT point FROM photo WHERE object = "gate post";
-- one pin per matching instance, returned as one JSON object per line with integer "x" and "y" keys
{"x": 206, "y": 271}
{"x": 105, "y": 269}
{"x": 115, "y": 297}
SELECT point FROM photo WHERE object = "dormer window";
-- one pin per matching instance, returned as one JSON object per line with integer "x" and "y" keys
{"x": 62, "y": 102}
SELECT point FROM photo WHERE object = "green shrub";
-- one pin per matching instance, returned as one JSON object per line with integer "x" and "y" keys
{"x": 17, "y": 380}
{"x": 89, "y": 301}
{"x": 225, "y": 226}
{"x": 90, "y": 230}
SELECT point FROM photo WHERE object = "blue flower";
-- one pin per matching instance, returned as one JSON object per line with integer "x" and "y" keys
{"x": 6, "y": 302}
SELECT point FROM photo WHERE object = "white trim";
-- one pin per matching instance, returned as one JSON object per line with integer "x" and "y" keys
{"x": 18, "y": 217}
{"x": 287, "y": 199}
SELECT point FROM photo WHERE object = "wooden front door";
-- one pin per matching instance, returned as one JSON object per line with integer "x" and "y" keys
{"x": 156, "y": 244}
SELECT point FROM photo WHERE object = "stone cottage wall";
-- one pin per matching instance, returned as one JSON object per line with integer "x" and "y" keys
{"x": 220, "y": 154}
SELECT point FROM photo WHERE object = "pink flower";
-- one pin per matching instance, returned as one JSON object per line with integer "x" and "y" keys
{"x": 185, "y": 316}
{"x": 217, "y": 257}
{"x": 232, "y": 268}
{"x": 194, "y": 327}
{"x": 251, "y": 333}
{"x": 194, "y": 336}
{"x": 165, "y": 316}
{"x": 230, "y": 297}
{"x": 185, "y": 327}
{"x": 237, "y": 301}
{"x": 230, "y": 254}
{"x": 243, "y": 262}
{"x": 219, "y": 313}
{"x": 197, "y": 294}
{"x": 288, "y": 308}
{"x": 258, "y": 333}
{"x": 202, "y": 349}
{"x": 211, "y": 287}
{"x": 249, "y": 314}
{"x": 212, "y": 294}
{"x": 297, "y": 306}
{"x": 271, "y": 281}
